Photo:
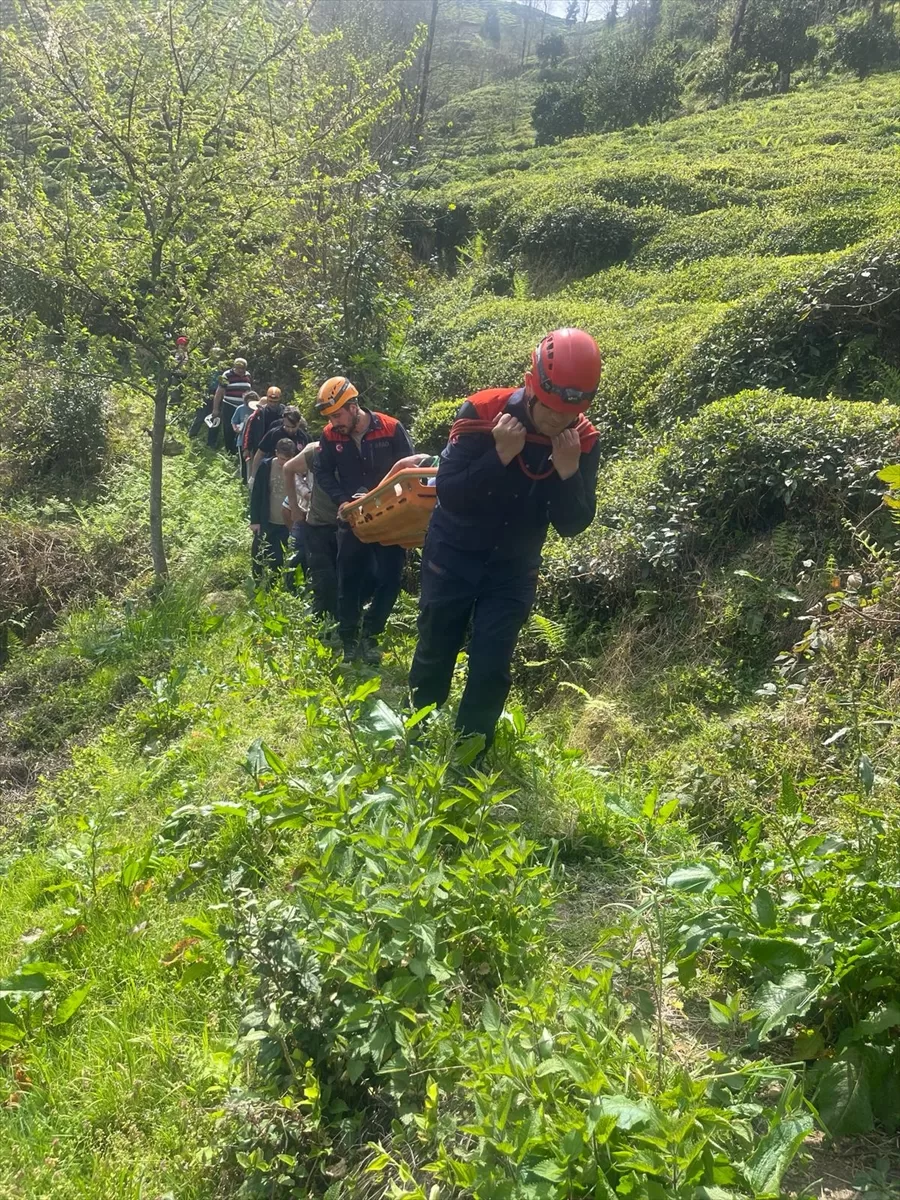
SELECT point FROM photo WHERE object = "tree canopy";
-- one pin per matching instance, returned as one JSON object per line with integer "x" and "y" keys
{"x": 159, "y": 161}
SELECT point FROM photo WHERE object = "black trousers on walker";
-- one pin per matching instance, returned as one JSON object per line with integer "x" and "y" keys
{"x": 357, "y": 564}
{"x": 497, "y": 599}
{"x": 321, "y": 558}
{"x": 229, "y": 437}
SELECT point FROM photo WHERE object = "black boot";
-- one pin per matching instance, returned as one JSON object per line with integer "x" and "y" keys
{"x": 369, "y": 652}
{"x": 351, "y": 650}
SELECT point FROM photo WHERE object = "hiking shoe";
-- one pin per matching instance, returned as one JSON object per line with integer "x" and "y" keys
{"x": 369, "y": 652}
{"x": 351, "y": 651}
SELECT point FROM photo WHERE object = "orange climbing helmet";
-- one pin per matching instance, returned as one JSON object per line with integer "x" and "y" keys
{"x": 565, "y": 370}
{"x": 334, "y": 394}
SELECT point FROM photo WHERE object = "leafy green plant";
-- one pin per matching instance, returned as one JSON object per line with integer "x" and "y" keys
{"x": 545, "y": 1105}
{"x": 431, "y": 428}
{"x": 795, "y": 335}
{"x": 805, "y": 920}
{"x": 573, "y": 239}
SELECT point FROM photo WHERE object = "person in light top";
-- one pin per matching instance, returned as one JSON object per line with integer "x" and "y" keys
{"x": 268, "y": 519}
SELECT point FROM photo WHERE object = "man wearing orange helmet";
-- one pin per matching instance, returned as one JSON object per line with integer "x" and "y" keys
{"x": 518, "y": 461}
{"x": 356, "y": 450}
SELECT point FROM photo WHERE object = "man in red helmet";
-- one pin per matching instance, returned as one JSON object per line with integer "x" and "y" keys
{"x": 518, "y": 461}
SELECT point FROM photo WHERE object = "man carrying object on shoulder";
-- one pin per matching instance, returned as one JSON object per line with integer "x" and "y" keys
{"x": 518, "y": 461}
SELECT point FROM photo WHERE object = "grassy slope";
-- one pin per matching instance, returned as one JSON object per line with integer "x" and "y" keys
{"x": 150, "y": 839}
{"x": 126, "y": 1096}
{"x": 136, "y": 1093}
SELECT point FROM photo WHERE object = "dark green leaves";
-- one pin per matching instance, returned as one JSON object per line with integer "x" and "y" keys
{"x": 857, "y": 1089}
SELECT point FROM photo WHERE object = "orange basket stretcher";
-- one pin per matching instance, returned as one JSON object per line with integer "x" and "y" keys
{"x": 397, "y": 512}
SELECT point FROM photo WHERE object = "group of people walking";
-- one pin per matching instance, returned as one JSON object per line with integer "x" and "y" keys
{"x": 517, "y": 461}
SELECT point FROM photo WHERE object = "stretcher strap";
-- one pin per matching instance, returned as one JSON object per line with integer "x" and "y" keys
{"x": 587, "y": 435}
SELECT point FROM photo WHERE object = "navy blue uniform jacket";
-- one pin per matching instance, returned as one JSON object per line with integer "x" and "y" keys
{"x": 343, "y": 470}
{"x": 489, "y": 514}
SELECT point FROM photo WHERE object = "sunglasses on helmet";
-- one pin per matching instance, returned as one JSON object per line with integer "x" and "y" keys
{"x": 567, "y": 395}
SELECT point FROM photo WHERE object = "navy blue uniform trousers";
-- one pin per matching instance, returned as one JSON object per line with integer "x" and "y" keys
{"x": 496, "y": 598}
{"x": 358, "y": 565}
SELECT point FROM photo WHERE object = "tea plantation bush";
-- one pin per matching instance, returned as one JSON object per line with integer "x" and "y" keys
{"x": 797, "y": 335}
{"x": 714, "y": 253}
{"x": 431, "y": 427}
{"x": 576, "y": 238}
{"x": 765, "y": 231}
{"x": 734, "y": 470}
{"x": 675, "y": 191}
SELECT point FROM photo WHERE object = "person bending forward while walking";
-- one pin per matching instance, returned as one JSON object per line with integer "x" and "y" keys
{"x": 518, "y": 461}
{"x": 356, "y": 450}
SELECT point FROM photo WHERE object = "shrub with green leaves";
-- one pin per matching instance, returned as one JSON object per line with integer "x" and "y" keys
{"x": 804, "y": 920}
{"x": 863, "y": 42}
{"x": 732, "y": 471}
{"x": 768, "y": 230}
{"x": 404, "y": 892}
{"x": 431, "y": 427}
{"x": 577, "y": 238}
{"x": 53, "y": 421}
{"x": 557, "y": 113}
{"x": 407, "y": 994}
{"x": 436, "y": 230}
{"x": 795, "y": 336}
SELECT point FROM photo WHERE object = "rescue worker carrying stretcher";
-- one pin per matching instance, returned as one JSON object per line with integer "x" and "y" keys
{"x": 356, "y": 450}
{"x": 518, "y": 461}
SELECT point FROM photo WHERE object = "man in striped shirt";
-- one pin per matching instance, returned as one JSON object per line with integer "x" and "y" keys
{"x": 233, "y": 387}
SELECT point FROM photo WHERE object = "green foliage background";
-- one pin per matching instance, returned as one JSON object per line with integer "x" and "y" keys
{"x": 265, "y": 933}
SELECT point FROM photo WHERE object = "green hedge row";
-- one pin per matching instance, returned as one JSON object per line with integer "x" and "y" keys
{"x": 731, "y": 472}
{"x": 674, "y": 341}
{"x": 797, "y": 335}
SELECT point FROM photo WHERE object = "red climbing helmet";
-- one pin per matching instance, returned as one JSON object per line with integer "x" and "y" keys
{"x": 565, "y": 370}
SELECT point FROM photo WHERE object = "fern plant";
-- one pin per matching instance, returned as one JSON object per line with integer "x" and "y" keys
{"x": 886, "y": 381}
{"x": 552, "y": 633}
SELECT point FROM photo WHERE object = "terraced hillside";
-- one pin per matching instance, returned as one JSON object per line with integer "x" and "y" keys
{"x": 696, "y": 250}
{"x": 755, "y": 247}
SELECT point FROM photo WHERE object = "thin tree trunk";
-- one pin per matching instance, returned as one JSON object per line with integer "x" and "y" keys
{"x": 737, "y": 27}
{"x": 158, "y": 436}
{"x": 526, "y": 15}
{"x": 426, "y": 72}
